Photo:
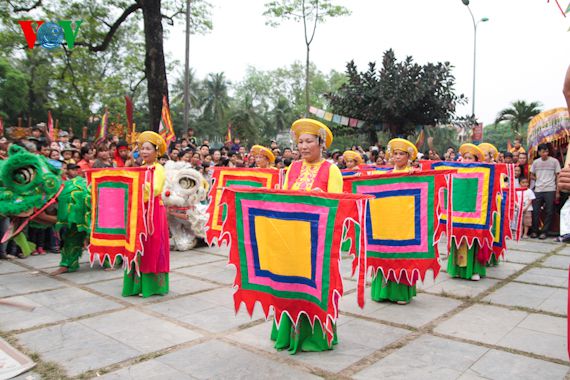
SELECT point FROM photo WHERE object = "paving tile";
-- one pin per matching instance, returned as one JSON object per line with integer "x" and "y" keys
{"x": 182, "y": 307}
{"x": 42, "y": 261}
{"x": 427, "y": 357}
{"x": 76, "y": 347}
{"x": 550, "y": 345}
{"x": 224, "y": 361}
{"x": 185, "y": 259}
{"x": 522, "y": 257}
{"x": 530, "y": 296}
{"x": 152, "y": 333}
{"x": 545, "y": 276}
{"x": 219, "y": 272}
{"x": 87, "y": 274}
{"x": 500, "y": 365}
{"x": 218, "y": 318}
{"x": 220, "y": 251}
{"x": 423, "y": 308}
{"x": 557, "y": 261}
{"x": 460, "y": 287}
{"x": 7, "y": 267}
{"x": 532, "y": 245}
{"x": 150, "y": 370}
{"x": 25, "y": 282}
{"x": 52, "y": 306}
{"x": 504, "y": 270}
{"x": 565, "y": 251}
{"x": 482, "y": 323}
{"x": 357, "y": 339}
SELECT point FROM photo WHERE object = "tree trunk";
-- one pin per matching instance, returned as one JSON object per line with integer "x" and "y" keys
{"x": 371, "y": 132}
{"x": 155, "y": 68}
{"x": 307, "y": 105}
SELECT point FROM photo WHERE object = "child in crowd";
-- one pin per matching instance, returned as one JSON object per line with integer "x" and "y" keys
{"x": 528, "y": 197}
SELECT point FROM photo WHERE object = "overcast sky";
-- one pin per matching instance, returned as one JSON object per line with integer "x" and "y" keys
{"x": 522, "y": 51}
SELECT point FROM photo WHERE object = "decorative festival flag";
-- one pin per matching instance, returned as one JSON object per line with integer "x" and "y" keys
{"x": 336, "y": 119}
{"x": 229, "y": 134}
{"x": 421, "y": 139}
{"x": 344, "y": 120}
{"x": 320, "y": 113}
{"x": 285, "y": 246}
{"x": 223, "y": 177}
{"x": 120, "y": 217}
{"x": 313, "y": 110}
{"x": 551, "y": 126}
{"x": 360, "y": 124}
{"x": 129, "y": 111}
{"x": 165, "y": 128}
{"x": 50, "y": 128}
{"x": 328, "y": 116}
{"x": 102, "y": 129}
{"x": 473, "y": 197}
{"x": 402, "y": 221}
{"x": 353, "y": 122}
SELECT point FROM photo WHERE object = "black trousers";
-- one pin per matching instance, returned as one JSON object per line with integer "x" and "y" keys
{"x": 545, "y": 198}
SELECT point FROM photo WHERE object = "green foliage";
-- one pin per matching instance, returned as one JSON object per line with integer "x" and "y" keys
{"x": 519, "y": 114}
{"x": 100, "y": 70}
{"x": 13, "y": 90}
{"x": 499, "y": 134}
{"x": 400, "y": 95}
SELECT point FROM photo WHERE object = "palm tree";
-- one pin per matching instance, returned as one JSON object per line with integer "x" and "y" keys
{"x": 247, "y": 120}
{"x": 195, "y": 91}
{"x": 281, "y": 115}
{"x": 216, "y": 101}
{"x": 519, "y": 114}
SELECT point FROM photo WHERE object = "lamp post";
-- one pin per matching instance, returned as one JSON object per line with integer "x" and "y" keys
{"x": 475, "y": 23}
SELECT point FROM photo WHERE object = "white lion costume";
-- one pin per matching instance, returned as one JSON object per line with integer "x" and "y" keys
{"x": 183, "y": 191}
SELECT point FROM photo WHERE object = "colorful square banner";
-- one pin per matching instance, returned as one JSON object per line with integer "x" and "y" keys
{"x": 118, "y": 213}
{"x": 223, "y": 177}
{"x": 286, "y": 248}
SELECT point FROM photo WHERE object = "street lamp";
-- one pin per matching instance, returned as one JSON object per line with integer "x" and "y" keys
{"x": 475, "y": 23}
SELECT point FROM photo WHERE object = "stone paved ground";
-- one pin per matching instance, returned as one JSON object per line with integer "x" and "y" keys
{"x": 511, "y": 325}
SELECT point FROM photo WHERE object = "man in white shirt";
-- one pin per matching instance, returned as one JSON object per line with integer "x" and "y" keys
{"x": 544, "y": 171}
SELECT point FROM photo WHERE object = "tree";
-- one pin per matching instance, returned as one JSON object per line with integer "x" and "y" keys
{"x": 310, "y": 12}
{"x": 247, "y": 121}
{"x": 115, "y": 17}
{"x": 399, "y": 96}
{"x": 518, "y": 114}
{"x": 13, "y": 90}
{"x": 216, "y": 101}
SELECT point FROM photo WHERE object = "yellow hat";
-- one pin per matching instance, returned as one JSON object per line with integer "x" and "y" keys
{"x": 487, "y": 148}
{"x": 258, "y": 149}
{"x": 153, "y": 138}
{"x": 312, "y": 127}
{"x": 352, "y": 155}
{"x": 473, "y": 149}
{"x": 403, "y": 145}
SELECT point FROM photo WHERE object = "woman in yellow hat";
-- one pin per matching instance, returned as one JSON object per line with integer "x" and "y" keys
{"x": 309, "y": 174}
{"x": 490, "y": 152}
{"x": 401, "y": 152}
{"x": 151, "y": 277}
{"x": 264, "y": 158}
{"x": 462, "y": 260}
{"x": 352, "y": 159}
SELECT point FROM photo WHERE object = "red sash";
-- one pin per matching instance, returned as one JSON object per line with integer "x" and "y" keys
{"x": 321, "y": 180}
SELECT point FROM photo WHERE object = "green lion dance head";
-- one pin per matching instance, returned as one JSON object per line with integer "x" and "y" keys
{"x": 28, "y": 184}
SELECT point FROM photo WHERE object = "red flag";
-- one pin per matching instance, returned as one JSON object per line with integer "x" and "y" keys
{"x": 102, "y": 129}
{"x": 129, "y": 109}
{"x": 165, "y": 128}
{"x": 229, "y": 134}
{"x": 1, "y": 127}
{"x": 421, "y": 139}
{"x": 50, "y": 127}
